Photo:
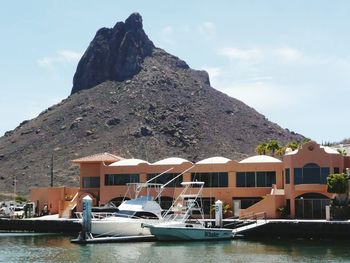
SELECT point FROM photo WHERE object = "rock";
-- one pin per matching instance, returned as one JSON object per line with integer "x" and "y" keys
{"x": 113, "y": 121}
{"x": 146, "y": 131}
{"x": 26, "y": 132}
{"x": 88, "y": 133}
{"x": 114, "y": 54}
{"x": 143, "y": 131}
{"x": 8, "y": 133}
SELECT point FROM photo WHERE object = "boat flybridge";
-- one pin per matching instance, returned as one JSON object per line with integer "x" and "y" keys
{"x": 179, "y": 223}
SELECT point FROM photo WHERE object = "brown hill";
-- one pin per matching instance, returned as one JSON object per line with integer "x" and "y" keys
{"x": 159, "y": 108}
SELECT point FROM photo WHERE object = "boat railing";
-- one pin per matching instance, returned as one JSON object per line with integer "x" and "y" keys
{"x": 187, "y": 201}
{"x": 104, "y": 215}
{"x": 96, "y": 215}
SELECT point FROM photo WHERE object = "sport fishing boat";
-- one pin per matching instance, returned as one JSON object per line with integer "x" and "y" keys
{"x": 128, "y": 220}
{"x": 180, "y": 225}
{"x": 132, "y": 214}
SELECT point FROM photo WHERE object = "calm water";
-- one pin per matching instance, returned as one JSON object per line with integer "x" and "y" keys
{"x": 56, "y": 248}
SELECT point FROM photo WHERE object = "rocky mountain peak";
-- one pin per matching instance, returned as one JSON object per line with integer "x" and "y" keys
{"x": 114, "y": 54}
{"x": 141, "y": 102}
{"x": 134, "y": 22}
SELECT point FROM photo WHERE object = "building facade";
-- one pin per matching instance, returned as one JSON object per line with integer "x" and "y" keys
{"x": 295, "y": 185}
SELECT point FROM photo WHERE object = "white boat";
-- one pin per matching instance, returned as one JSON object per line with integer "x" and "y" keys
{"x": 129, "y": 219}
{"x": 189, "y": 232}
{"x": 180, "y": 226}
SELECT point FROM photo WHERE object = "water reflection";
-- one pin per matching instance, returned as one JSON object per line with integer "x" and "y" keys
{"x": 56, "y": 248}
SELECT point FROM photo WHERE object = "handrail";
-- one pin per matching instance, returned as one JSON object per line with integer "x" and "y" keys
{"x": 75, "y": 197}
{"x": 254, "y": 217}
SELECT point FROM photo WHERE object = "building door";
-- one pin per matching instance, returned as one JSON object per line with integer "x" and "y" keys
{"x": 311, "y": 206}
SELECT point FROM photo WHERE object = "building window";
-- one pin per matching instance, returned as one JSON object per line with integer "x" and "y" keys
{"x": 248, "y": 201}
{"x": 165, "y": 202}
{"x": 324, "y": 174}
{"x": 240, "y": 179}
{"x": 255, "y": 179}
{"x": 121, "y": 179}
{"x": 336, "y": 170}
{"x": 311, "y": 173}
{"x": 208, "y": 202}
{"x": 91, "y": 182}
{"x": 287, "y": 172}
{"x": 215, "y": 179}
{"x": 164, "y": 178}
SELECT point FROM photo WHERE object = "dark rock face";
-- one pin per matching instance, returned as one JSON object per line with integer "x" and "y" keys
{"x": 114, "y": 54}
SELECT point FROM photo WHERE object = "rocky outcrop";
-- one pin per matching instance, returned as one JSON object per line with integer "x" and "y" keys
{"x": 114, "y": 54}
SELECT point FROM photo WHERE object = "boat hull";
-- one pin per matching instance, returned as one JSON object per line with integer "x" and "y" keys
{"x": 120, "y": 227}
{"x": 189, "y": 233}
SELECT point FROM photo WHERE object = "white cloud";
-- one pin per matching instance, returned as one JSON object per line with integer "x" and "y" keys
{"x": 62, "y": 57}
{"x": 207, "y": 29}
{"x": 262, "y": 95}
{"x": 241, "y": 54}
{"x": 290, "y": 54}
{"x": 295, "y": 88}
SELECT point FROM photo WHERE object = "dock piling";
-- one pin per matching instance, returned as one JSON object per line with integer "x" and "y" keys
{"x": 218, "y": 213}
{"x": 85, "y": 234}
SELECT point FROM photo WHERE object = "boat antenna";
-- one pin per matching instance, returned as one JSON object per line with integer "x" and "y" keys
{"x": 164, "y": 185}
{"x": 159, "y": 175}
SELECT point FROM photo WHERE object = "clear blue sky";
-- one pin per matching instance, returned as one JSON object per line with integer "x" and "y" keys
{"x": 290, "y": 60}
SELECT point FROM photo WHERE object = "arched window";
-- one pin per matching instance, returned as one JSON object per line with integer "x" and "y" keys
{"x": 311, "y": 173}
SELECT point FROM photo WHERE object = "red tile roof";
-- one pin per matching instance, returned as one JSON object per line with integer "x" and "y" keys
{"x": 99, "y": 157}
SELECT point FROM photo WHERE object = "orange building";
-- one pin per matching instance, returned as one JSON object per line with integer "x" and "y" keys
{"x": 295, "y": 184}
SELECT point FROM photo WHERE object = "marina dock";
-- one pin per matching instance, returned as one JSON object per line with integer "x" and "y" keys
{"x": 40, "y": 225}
{"x": 250, "y": 230}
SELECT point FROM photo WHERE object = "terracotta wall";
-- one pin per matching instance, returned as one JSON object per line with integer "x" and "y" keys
{"x": 51, "y": 196}
{"x": 309, "y": 153}
{"x": 225, "y": 194}
{"x": 268, "y": 206}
